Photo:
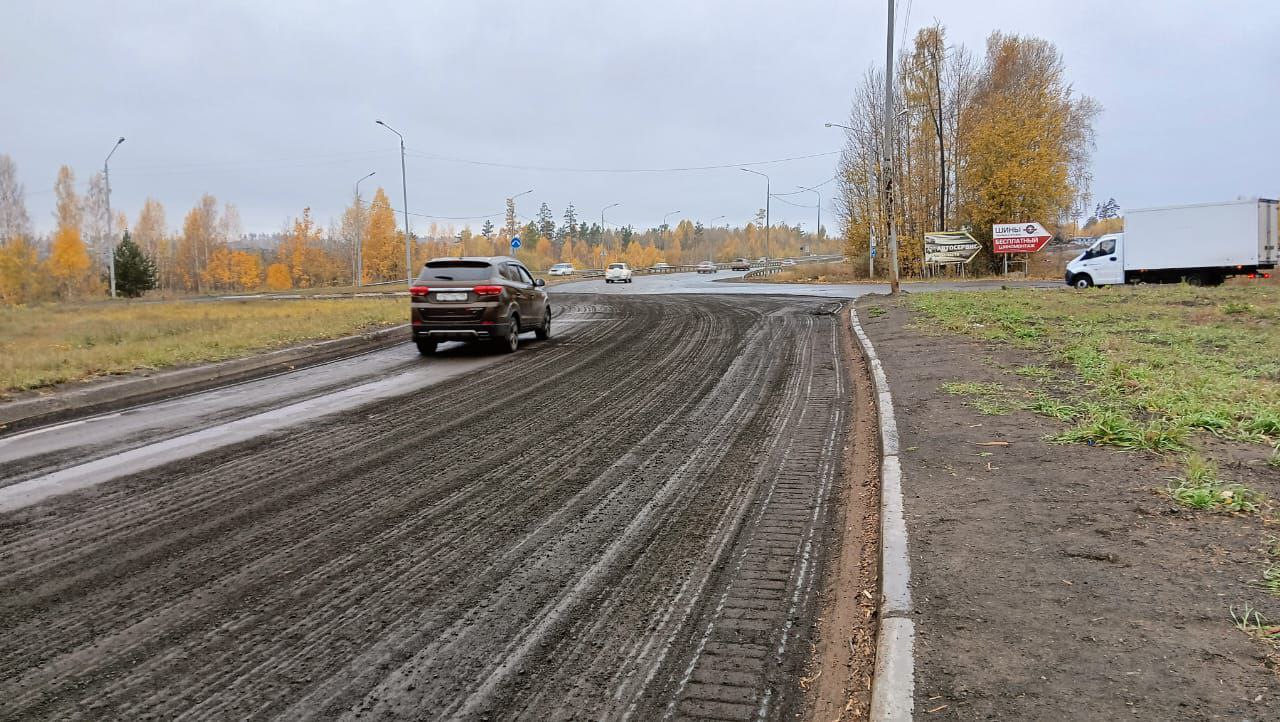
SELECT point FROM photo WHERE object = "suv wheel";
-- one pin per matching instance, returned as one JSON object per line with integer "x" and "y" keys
{"x": 426, "y": 348}
{"x": 510, "y": 342}
{"x": 543, "y": 332}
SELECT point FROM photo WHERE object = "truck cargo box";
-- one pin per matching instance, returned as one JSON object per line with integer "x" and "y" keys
{"x": 1204, "y": 235}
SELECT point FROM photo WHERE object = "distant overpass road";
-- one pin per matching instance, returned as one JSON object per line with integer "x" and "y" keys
{"x": 626, "y": 522}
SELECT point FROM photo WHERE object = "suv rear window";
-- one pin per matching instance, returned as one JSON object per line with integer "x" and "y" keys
{"x": 456, "y": 271}
{"x": 616, "y": 265}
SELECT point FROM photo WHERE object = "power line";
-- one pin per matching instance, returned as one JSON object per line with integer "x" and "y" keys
{"x": 797, "y": 205}
{"x": 372, "y": 205}
{"x": 214, "y": 166}
{"x": 816, "y": 185}
{"x": 552, "y": 169}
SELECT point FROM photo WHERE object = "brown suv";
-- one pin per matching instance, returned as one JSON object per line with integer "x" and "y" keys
{"x": 477, "y": 299}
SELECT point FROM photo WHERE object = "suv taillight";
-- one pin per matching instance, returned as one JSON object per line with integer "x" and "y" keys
{"x": 488, "y": 290}
{"x": 419, "y": 292}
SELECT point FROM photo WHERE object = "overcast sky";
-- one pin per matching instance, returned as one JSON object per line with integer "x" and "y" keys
{"x": 271, "y": 105}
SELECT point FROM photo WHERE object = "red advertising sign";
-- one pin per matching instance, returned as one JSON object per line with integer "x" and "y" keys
{"x": 1018, "y": 237}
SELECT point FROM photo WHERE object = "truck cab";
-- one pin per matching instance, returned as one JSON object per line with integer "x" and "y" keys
{"x": 1101, "y": 264}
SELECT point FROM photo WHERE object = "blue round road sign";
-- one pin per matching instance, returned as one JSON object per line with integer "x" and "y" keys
{"x": 515, "y": 243}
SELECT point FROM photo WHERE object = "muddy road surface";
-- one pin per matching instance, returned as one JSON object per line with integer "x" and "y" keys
{"x": 625, "y": 522}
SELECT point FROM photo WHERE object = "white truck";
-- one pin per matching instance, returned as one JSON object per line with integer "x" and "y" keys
{"x": 1201, "y": 244}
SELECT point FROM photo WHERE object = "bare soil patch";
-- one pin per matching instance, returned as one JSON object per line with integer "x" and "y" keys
{"x": 839, "y": 680}
{"x": 1054, "y": 581}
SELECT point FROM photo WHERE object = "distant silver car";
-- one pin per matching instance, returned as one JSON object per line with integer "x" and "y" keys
{"x": 707, "y": 267}
{"x": 788, "y": 262}
{"x": 561, "y": 269}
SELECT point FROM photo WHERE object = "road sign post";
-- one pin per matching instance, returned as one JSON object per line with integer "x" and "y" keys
{"x": 1009, "y": 238}
{"x": 950, "y": 248}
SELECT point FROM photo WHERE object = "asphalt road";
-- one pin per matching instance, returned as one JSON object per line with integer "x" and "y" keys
{"x": 625, "y": 522}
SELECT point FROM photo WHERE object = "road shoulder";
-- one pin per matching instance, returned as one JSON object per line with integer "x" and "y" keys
{"x": 1052, "y": 581}
{"x": 839, "y": 680}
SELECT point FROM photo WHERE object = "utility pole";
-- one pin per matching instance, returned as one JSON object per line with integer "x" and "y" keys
{"x": 887, "y": 164}
{"x": 708, "y": 241}
{"x": 602, "y": 210}
{"x": 817, "y": 230}
{"x": 404, "y": 187}
{"x": 357, "y": 271}
{"x": 768, "y": 195}
{"x": 111, "y": 234}
{"x": 664, "y": 226}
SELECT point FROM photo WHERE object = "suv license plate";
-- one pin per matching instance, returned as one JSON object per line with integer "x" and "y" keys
{"x": 451, "y": 296}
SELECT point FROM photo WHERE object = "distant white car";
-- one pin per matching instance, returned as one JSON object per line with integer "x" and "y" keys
{"x": 661, "y": 266}
{"x": 707, "y": 267}
{"x": 617, "y": 273}
{"x": 561, "y": 269}
{"x": 788, "y": 262}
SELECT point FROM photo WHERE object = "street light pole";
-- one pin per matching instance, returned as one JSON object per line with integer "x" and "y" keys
{"x": 663, "y": 230}
{"x": 404, "y": 187}
{"x": 664, "y": 223}
{"x": 817, "y": 230}
{"x": 768, "y": 194}
{"x": 602, "y": 210}
{"x": 888, "y": 154}
{"x": 713, "y": 225}
{"x": 111, "y": 246}
{"x": 358, "y": 271}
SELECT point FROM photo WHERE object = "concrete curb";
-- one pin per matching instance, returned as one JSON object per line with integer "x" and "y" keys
{"x": 99, "y": 397}
{"x": 893, "y": 685}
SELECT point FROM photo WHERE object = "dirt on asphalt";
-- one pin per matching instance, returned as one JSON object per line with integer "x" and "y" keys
{"x": 628, "y": 522}
{"x": 1054, "y": 582}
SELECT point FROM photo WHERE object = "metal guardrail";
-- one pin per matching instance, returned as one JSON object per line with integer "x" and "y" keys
{"x": 775, "y": 264}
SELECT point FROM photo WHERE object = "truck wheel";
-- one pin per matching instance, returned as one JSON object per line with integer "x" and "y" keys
{"x": 1082, "y": 281}
{"x": 426, "y": 348}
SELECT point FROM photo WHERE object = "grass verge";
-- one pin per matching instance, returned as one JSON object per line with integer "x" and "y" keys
{"x": 1200, "y": 488}
{"x": 50, "y": 344}
{"x": 1152, "y": 366}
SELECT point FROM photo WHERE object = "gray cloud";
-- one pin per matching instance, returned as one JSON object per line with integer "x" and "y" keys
{"x": 271, "y": 105}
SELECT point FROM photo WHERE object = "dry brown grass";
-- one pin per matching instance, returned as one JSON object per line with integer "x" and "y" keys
{"x": 50, "y": 344}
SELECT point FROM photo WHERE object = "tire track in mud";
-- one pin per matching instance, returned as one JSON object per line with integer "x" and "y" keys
{"x": 622, "y": 523}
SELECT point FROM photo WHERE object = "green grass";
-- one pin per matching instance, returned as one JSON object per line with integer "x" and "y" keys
{"x": 875, "y": 311}
{"x": 1271, "y": 574}
{"x": 1200, "y": 488}
{"x": 1100, "y": 426}
{"x": 972, "y": 388}
{"x": 1036, "y": 372}
{"x": 988, "y": 398}
{"x": 1252, "y": 623}
{"x": 1155, "y": 365}
{"x": 1046, "y": 405}
{"x": 50, "y": 344}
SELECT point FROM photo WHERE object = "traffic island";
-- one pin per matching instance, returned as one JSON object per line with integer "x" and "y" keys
{"x": 1069, "y": 580}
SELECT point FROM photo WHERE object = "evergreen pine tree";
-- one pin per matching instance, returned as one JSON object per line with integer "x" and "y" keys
{"x": 546, "y": 223}
{"x": 135, "y": 271}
